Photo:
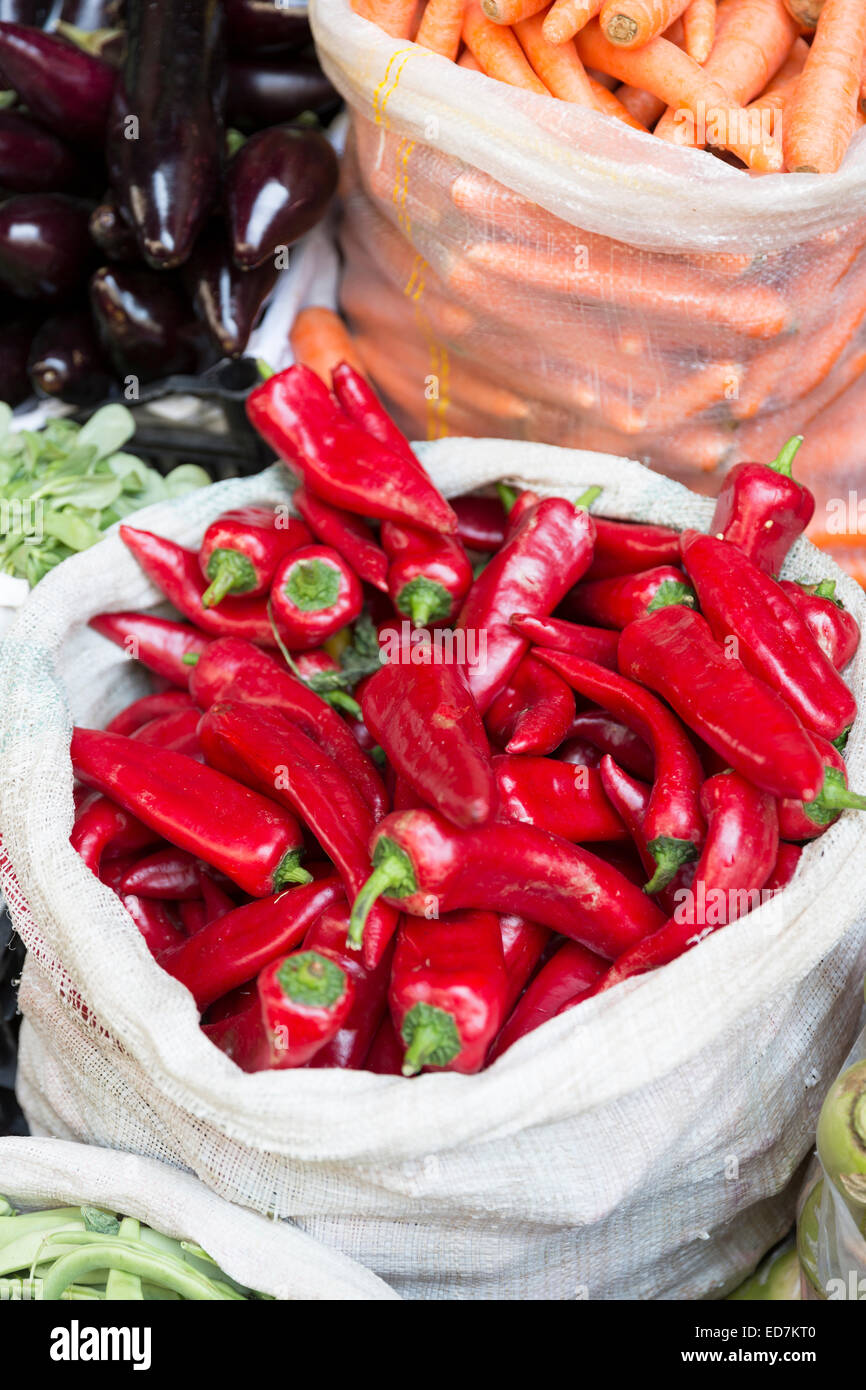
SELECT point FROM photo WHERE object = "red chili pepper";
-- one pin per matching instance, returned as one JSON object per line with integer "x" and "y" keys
{"x": 169, "y": 649}
{"x": 533, "y": 713}
{"x": 448, "y": 990}
{"x": 314, "y": 594}
{"x": 532, "y": 573}
{"x": 339, "y": 460}
{"x": 350, "y": 1045}
{"x": 192, "y": 916}
{"x": 739, "y": 601}
{"x": 168, "y": 874}
{"x": 560, "y": 798}
{"x": 806, "y": 821}
{"x": 420, "y": 862}
{"x": 523, "y": 945}
{"x": 385, "y": 1057}
{"x": 148, "y": 708}
{"x": 233, "y": 949}
{"x": 627, "y": 547}
{"x": 480, "y": 522}
{"x": 216, "y": 901}
{"x": 595, "y": 643}
{"x": 630, "y": 799}
{"x": 608, "y": 735}
{"x": 786, "y": 867}
{"x": 673, "y": 825}
{"x": 151, "y": 917}
{"x": 569, "y": 974}
{"x": 100, "y": 825}
{"x": 674, "y": 653}
{"x": 616, "y": 602}
{"x": 347, "y": 534}
{"x": 310, "y": 665}
{"x": 238, "y": 671}
{"x": 178, "y": 732}
{"x": 739, "y": 855}
{"x": 360, "y": 402}
{"x": 176, "y": 573}
{"x": 255, "y": 842}
{"x": 836, "y": 631}
{"x": 240, "y": 551}
{"x": 429, "y": 575}
{"x": 426, "y": 720}
{"x": 516, "y": 506}
{"x": 762, "y": 509}
{"x": 579, "y": 753}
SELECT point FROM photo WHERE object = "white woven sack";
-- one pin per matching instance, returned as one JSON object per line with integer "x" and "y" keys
{"x": 270, "y": 1256}
{"x": 640, "y": 1146}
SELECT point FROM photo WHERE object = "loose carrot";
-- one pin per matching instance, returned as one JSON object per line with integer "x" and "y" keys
{"x": 441, "y": 27}
{"x": 823, "y": 112}
{"x": 863, "y": 89}
{"x": 806, "y": 12}
{"x": 497, "y": 51}
{"x": 609, "y": 102}
{"x": 556, "y": 65}
{"x": 632, "y": 23}
{"x": 512, "y": 11}
{"x": 643, "y": 105}
{"x": 321, "y": 340}
{"x": 699, "y": 29}
{"x": 566, "y": 17}
{"x": 467, "y": 61}
{"x": 394, "y": 16}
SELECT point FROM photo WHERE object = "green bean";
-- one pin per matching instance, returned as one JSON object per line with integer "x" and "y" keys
{"x": 6, "y": 1207}
{"x": 132, "y": 1259}
{"x": 119, "y": 1284}
{"x": 22, "y": 1253}
{"x": 13, "y": 1227}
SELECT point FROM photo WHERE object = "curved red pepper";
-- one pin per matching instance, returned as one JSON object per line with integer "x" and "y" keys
{"x": 786, "y": 866}
{"x": 740, "y": 601}
{"x": 595, "y": 643}
{"x": 178, "y": 732}
{"x": 569, "y": 974}
{"x": 241, "y": 549}
{"x": 314, "y": 594}
{"x": 192, "y": 915}
{"x": 347, "y": 534}
{"x": 148, "y": 708}
{"x": 616, "y": 602}
{"x": 608, "y": 735}
{"x": 422, "y": 865}
{"x": 523, "y": 945}
{"x": 806, "y": 821}
{"x": 762, "y": 509}
{"x": 560, "y": 798}
{"x": 630, "y": 799}
{"x": 170, "y": 874}
{"x": 516, "y": 505}
{"x": 360, "y": 402}
{"x": 151, "y": 917}
{"x": 673, "y": 825}
{"x": 216, "y": 902}
{"x": 836, "y": 631}
{"x": 349, "y": 1047}
{"x": 429, "y": 575}
{"x": 480, "y": 521}
{"x": 100, "y": 824}
{"x": 167, "y": 648}
{"x": 674, "y": 653}
{"x": 627, "y": 547}
{"x": 533, "y": 713}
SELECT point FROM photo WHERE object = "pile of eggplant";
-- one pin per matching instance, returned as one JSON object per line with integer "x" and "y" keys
{"x": 157, "y": 160}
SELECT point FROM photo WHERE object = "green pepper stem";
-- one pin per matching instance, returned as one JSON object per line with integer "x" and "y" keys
{"x": 507, "y": 497}
{"x": 380, "y": 880}
{"x": 671, "y": 592}
{"x": 290, "y": 871}
{"x": 669, "y": 854}
{"x": 341, "y": 699}
{"x": 229, "y": 572}
{"x": 190, "y": 659}
{"x": 265, "y": 370}
{"x": 785, "y": 458}
{"x": 425, "y": 1041}
{"x": 424, "y": 601}
{"x": 586, "y": 499}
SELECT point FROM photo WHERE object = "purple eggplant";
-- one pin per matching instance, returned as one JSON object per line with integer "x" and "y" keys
{"x": 16, "y": 335}
{"x": 32, "y": 160}
{"x": 66, "y": 89}
{"x": 227, "y": 300}
{"x": 45, "y": 246}
{"x": 263, "y": 92}
{"x": 166, "y": 134}
{"x": 67, "y": 360}
{"x": 112, "y": 232}
{"x": 278, "y": 185}
{"x": 144, "y": 322}
{"x": 256, "y": 26}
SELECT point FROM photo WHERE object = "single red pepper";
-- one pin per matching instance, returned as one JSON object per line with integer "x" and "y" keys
{"x": 167, "y": 648}
{"x": 740, "y": 601}
{"x": 516, "y": 505}
{"x": 674, "y": 653}
{"x": 360, "y": 402}
{"x": 800, "y": 820}
{"x": 238, "y": 671}
{"x": 349, "y": 1047}
{"x": 630, "y": 799}
{"x": 673, "y": 825}
{"x": 421, "y": 863}
{"x": 176, "y": 573}
{"x": 627, "y": 547}
{"x": 314, "y": 594}
{"x": 523, "y": 946}
{"x": 609, "y": 735}
{"x": 151, "y": 917}
{"x": 429, "y": 575}
{"x": 385, "y": 1057}
{"x": 762, "y": 509}
{"x": 192, "y": 915}
{"x": 739, "y": 856}
{"x": 533, "y": 713}
{"x": 480, "y": 522}
{"x": 579, "y": 753}
{"x": 547, "y": 554}
{"x": 786, "y": 866}
{"x": 170, "y": 874}
{"x": 595, "y": 643}
{"x": 616, "y": 602}
{"x": 836, "y": 631}
{"x": 233, "y": 949}
{"x": 241, "y": 549}
{"x": 558, "y": 797}
{"x": 448, "y": 989}
{"x": 426, "y": 720}
{"x": 569, "y": 974}
{"x": 102, "y": 825}
{"x": 347, "y": 534}
{"x": 339, "y": 460}
{"x": 148, "y": 708}
{"x": 255, "y": 842}
{"x": 178, "y": 732}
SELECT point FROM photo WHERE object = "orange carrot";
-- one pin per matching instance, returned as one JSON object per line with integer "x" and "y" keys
{"x": 643, "y": 105}
{"x": 823, "y": 112}
{"x": 806, "y": 12}
{"x": 497, "y": 51}
{"x": 467, "y": 61}
{"x": 632, "y": 23}
{"x": 699, "y": 27}
{"x": 321, "y": 340}
{"x": 557, "y": 65}
{"x": 394, "y": 16}
{"x": 441, "y": 26}
{"x": 512, "y": 11}
{"x": 566, "y": 17}
{"x": 610, "y": 104}
{"x": 863, "y": 88}
{"x": 698, "y": 391}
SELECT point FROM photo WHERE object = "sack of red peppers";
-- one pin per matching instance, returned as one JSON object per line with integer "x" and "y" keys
{"x": 412, "y": 778}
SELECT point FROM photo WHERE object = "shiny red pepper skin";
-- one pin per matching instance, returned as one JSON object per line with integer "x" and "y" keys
{"x": 523, "y": 504}
{"x": 673, "y": 825}
{"x": 339, "y": 460}
{"x": 422, "y": 862}
{"x": 523, "y": 945}
{"x": 595, "y": 643}
{"x": 447, "y": 992}
{"x": 172, "y": 875}
{"x": 101, "y": 825}
{"x": 241, "y": 549}
{"x": 360, "y": 402}
{"x": 253, "y": 841}
{"x": 800, "y": 822}
{"x": 785, "y": 869}
{"x": 560, "y": 798}
{"x": 836, "y": 631}
{"x": 627, "y": 547}
{"x": 429, "y": 575}
{"x": 314, "y": 594}
{"x": 235, "y": 670}
{"x": 425, "y": 719}
{"x": 547, "y": 554}
{"x": 347, "y": 534}
{"x": 151, "y": 917}
{"x": 148, "y": 708}
{"x": 385, "y": 1057}
{"x": 176, "y": 572}
{"x": 232, "y": 949}
{"x": 616, "y": 602}
{"x": 608, "y": 735}
{"x": 630, "y": 799}
{"x": 533, "y": 713}
{"x": 192, "y": 916}
{"x": 674, "y": 653}
{"x": 158, "y": 643}
{"x": 178, "y": 732}
{"x": 738, "y": 600}
{"x": 216, "y": 901}
{"x": 762, "y": 509}
{"x": 350, "y": 1045}
{"x": 480, "y": 522}
{"x": 569, "y": 974}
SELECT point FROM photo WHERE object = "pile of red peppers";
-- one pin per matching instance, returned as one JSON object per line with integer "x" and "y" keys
{"x": 417, "y": 776}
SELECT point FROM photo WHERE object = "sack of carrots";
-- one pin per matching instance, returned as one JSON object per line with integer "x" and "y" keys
{"x": 474, "y": 798}
{"x": 586, "y": 222}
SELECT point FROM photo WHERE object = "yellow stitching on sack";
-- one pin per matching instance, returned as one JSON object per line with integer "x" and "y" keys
{"x": 399, "y": 195}
{"x": 380, "y": 100}
{"x": 417, "y": 268}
